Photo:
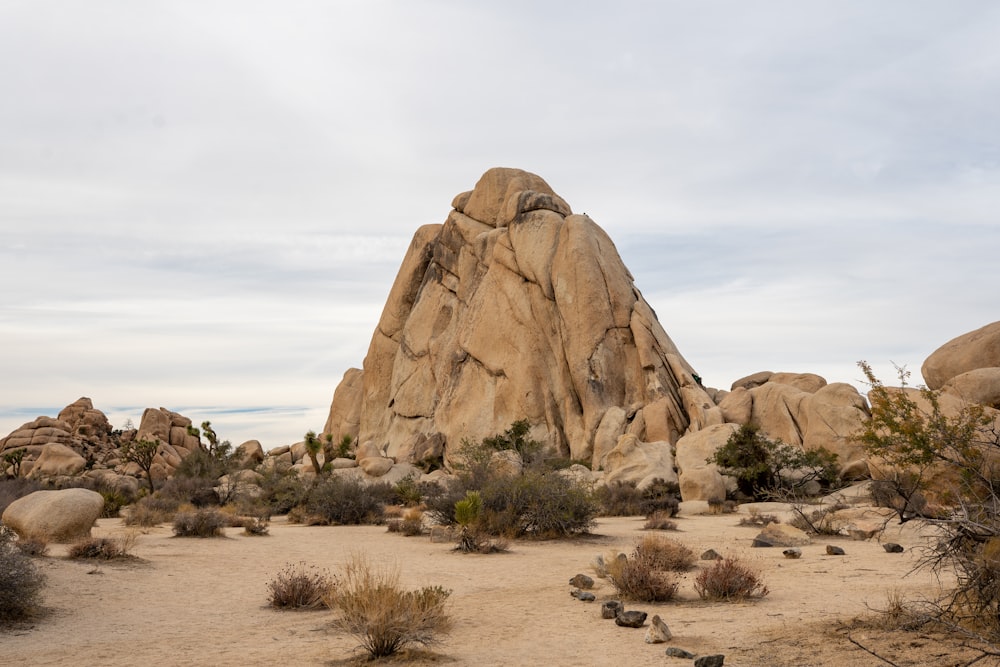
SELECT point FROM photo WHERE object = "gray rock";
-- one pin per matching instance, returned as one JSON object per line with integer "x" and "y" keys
{"x": 582, "y": 596}
{"x": 893, "y": 548}
{"x": 711, "y": 554}
{"x": 675, "y": 652}
{"x": 832, "y": 550}
{"x": 611, "y": 609}
{"x": 631, "y": 619}
{"x": 710, "y": 661}
{"x": 582, "y": 581}
{"x": 794, "y": 552}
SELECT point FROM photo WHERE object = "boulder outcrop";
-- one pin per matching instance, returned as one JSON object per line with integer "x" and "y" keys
{"x": 54, "y": 516}
{"x": 968, "y": 352}
{"x": 515, "y": 308}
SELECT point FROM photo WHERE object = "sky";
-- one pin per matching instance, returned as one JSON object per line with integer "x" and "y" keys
{"x": 203, "y": 205}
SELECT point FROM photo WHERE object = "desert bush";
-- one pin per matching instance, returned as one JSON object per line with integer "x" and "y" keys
{"x": 151, "y": 511}
{"x": 103, "y": 548}
{"x": 729, "y": 579}
{"x": 20, "y": 580}
{"x": 33, "y": 546}
{"x": 383, "y": 616}
{"x": 660, "y": 521}
{"x": 411, "y": 523}
{"x": 345, "y": 501}
{"x": 408, "y": 491}
{"x": 536, "y": 504}
{"x": 625, "y": 499}
{"x": 918, "y": 447}
{"x": 817, "y": 521}
{"x": 637, "y": 578}
{"x": 755, "y": 518}
{"x": 282, "y": 489}
{"x": 764, "y": 468}
{"x": 300, "y": 587}
{"x": 516, "y": 438}
{"x": 197, "y": 491}
{"x": 204, "y": 522}
{"x": 14, "y": 488}
{"x": 663, "y": 553}
{"x": 440, "y": 505}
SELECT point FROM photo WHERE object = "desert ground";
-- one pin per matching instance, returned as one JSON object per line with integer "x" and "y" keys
{"x": 189, "y": 601}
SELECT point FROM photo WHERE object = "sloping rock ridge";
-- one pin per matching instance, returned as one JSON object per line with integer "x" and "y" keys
{"x": 515, "y": 308}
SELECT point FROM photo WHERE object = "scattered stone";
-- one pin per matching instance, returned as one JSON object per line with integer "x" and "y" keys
{"x": 675, "y": 652}
{"x": 781, "y": 535}
{"x": 710, "y": 660}
{"x": 631, "y": 619}
{"x": 794, "y": 552}
{"x": 893, "y": 548}
{"x": 834, "y": 551}
{"x": 711, "y": 554}
{"x": 582, "y": 581}
{"x": 582, "y": 596}
{"x": 761, "y": 542}
{"x": 658, "y": 631}
{"x": 611, "y": 609}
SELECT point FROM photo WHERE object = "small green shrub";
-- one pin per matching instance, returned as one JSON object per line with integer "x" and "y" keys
{"x": 282, "y": 489}
{"x": 300, "y": 587}
{"x": 21, "y": 581}
{"x": 729, "y": 579}
{"x": 383, "y": 616}
{"x": 103, "y": 548}
{"x": 536, "y": 504}
{"x": 200, "y": 523}
{"x": 345, "y": 501}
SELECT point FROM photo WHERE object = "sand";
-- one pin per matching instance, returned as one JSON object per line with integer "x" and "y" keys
{"x": 189, "y": 601}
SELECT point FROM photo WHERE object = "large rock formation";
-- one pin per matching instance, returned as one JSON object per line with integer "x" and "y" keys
{"x": 54, "y": 516}
{"x": 515, "y": 308}
{"x": 971, "y": 351}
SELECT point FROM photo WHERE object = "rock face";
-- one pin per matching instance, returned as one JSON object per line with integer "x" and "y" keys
{"x": 79, "y": 427}
{"x": 968, "y": 352}
{"x": 515, "y": 308}
{"x": 54, "y": 516}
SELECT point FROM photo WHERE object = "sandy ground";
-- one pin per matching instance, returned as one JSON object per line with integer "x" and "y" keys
{"x": 202, "y": 602}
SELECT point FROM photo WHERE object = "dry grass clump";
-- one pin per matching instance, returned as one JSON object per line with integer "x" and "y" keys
{"x": 201, "y": 523}
{"x": 381, "y": 614}
{"x": 33, "y": 546}
{"x": 664, "y": 553}
{"x": 409, "y": 523}
{"x": 300, "y": 587}
{"x": 152, "y": 511}
{"x": 104, "y": 548}
{"x": 20, "y": 580}
{"x": 755, "y": 518}
{"x": 729, "y": 579}
{"x": 637, "y": 578}
{"x": 660, "y": 521}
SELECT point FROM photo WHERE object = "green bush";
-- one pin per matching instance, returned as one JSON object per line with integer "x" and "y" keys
{"x": 200, "y": 523}
{"x": 766, "y": 468}
{"x": 20, "y": 580}
{"x": 300, "y": 587}
{"x": 282, "y": 489}
{"x": 383, "y": 616}
{"x": 625, "y": 499}
{"x": 345, "y": 501}
{"x": 536, "y": 504}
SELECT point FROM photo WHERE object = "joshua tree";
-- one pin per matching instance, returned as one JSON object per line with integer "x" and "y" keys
{"x": 142, "y": 453}
{"x": 313, "y": 447}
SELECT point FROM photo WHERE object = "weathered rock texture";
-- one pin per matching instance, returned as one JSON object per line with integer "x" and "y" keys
{"x": 54, "y": 516}
{"x": 968, "y": 352}
{"x": 515, "y": 308}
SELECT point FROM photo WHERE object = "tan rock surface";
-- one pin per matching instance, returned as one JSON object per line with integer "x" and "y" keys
{"x": 54, "y": 516}
{"x": 972, "y": 350}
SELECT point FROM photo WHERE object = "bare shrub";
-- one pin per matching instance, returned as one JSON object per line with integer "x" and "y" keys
{"x": 152, "y": 511}
{"x": 20, "y": 580}
{"x": 411, "y": 523}
{"x": 660, "y": 521}
{"x": 817, "y": 521}
{"x": 300, "y": 587}
{"x": 200, "y": 523}
{"x": 33, "y": 546}
{"x": 104, "y": 548}
{"x": 663, "y": 553}
{"x": 729, "y": 579}
{"x": 755, "y": 518}
{"x": 381, "y": 614}
{"x": 637, "y": 578}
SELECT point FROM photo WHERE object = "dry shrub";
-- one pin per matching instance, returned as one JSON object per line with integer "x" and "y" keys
{"x": 755, "y": 518}
{"x": 637, "y": 578}
{"x": 300, "y": 587}
{"x": 200, "y": 523}
{"x": 345, "y": 501}
{"x": 20, "y": 580}
{"x": 152, "y": 511}
{"x": 381, "y": 614}
{"x": 104, "y": 548}
{"x": 33, "y": 546}
{"x": 898, "y": 614}
{"x": 660, "y": 521}
{"x": 663, "y": 553}
{"x": 729, "y": 579}
{"x": 410, "y": 523}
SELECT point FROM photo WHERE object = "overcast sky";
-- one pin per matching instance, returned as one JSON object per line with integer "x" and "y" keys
{"x": 203, "y": 204}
